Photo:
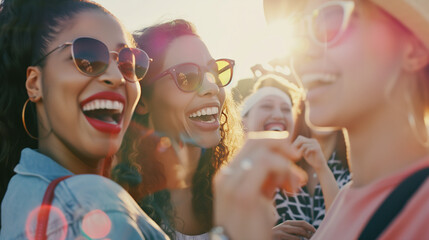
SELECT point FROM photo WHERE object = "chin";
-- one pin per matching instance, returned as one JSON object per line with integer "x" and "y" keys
{"x": 321, "y": 119}
{"x": 103, "y": 149}
{"x": 208, "y": 141}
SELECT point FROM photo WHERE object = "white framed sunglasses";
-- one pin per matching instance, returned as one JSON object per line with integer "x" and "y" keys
{"x": 327, "y": 23}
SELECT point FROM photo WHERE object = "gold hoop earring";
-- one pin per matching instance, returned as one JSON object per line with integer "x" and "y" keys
{"x": 23, "y": 120}
{"x": 413, "y": 125}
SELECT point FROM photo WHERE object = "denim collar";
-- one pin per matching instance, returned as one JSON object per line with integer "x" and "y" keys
{"x": 34, "y": 163}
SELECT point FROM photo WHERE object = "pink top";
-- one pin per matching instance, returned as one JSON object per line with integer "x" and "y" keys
{"x": 353, "y": 207}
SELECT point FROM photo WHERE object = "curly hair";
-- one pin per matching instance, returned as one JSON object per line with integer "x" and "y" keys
{"x": 137, "y": 153}
{"x": 142, "y": 175}
{"x": 26, "y": 29}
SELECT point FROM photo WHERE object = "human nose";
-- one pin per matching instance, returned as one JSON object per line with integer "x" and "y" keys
{"x": 113, "y": 76}
{"x": 208, "y": 86}
{"x": 277, "y": 113}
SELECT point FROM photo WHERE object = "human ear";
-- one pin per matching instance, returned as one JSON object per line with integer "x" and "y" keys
{"x": 33, "y": 83}
{"x": 416, "y": 56}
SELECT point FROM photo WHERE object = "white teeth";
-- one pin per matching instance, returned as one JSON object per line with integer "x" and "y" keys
{"x": 276, "y": 128}
{"x": 311, "y": 79}
{"x": 205, "y": 111}
{"x": 116, "y": 105}
{"x": 215, "y": 110}
{"x": 103, "y": 104}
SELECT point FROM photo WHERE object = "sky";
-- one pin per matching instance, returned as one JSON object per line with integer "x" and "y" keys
{"x": 234, "y": 29}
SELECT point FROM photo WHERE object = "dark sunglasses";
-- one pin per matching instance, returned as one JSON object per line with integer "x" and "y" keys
{"x": 189, "y": 76}
{"x": 327, "y": 23}
{"x": 92, "y": 57}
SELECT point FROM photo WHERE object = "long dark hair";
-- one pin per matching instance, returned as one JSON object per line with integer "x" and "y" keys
{"x": 155, "y": 41}
{"x": 26, "y": 29}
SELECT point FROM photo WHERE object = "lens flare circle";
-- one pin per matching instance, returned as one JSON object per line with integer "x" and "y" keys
{"x": 96, "y": 224}
{"x": 55, "y": 215}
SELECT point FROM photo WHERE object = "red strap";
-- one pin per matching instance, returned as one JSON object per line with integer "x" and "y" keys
{"x": 43, "y": 216}
{"x": 106, "y": 167}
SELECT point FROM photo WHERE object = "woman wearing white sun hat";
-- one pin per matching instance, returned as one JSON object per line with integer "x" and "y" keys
{"x": 366, "y": 69}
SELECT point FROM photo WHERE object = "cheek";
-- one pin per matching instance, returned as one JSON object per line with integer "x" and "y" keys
{"x": 383, "y": 48}
{"x": 167, "y": 107}
{"x": 167, "y": 95}
{"x": 367, "y": 64}
{"x": 383, "y": 51}
{"x": 133, "y": 94}
{"x": 256, "y": 119}
{"x": 162, "y": 96}
{"x": 222, "y": 96}
{"x": 60, "y": 97}
{"x": 289, "y": 119}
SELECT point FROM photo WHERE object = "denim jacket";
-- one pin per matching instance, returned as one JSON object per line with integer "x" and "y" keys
{"x": 84, "y": 206}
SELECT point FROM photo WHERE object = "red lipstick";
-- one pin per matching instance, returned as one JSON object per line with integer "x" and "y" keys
{"x": 100, "y": 125}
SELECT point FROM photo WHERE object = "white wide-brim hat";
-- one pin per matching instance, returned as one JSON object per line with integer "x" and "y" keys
{"x": 414, "y": 14}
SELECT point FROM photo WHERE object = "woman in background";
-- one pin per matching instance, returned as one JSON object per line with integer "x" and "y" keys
{"x": 323, "y": 155}
{"x": 183, "y": 101}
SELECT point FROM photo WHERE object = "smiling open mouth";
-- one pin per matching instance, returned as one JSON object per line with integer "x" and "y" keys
{"x": 275, "y": 127}
{"x": 207, "y": 115}
{"x": 104, "y": 110}
{"x": 312, "y": 80}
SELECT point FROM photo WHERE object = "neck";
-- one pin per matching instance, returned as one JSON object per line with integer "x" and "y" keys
{"x": 327, "y": 143}
{"x": 186, "y": 221}
{"x": 381, "y": 144}
{"x": 189, "y": 156}
{"x": 69, "y": 159}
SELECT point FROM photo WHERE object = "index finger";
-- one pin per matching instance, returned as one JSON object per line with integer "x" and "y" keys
{"x": 299, "y": 141}
{"x": 299, "y": 223}
{"x": 279, "y": 142}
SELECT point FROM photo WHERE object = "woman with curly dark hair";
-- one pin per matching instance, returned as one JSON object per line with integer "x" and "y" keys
{"x": 183, "y": 101}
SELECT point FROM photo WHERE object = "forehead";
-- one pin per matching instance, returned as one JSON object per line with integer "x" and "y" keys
{"x": 187, "y": 48}
{"x": 96, "y": 24}
{"x": 273, "y": 99}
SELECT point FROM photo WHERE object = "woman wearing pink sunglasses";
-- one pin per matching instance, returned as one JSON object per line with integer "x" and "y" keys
{"x": 184, "y": 101}
{"x": 365, "y": 69}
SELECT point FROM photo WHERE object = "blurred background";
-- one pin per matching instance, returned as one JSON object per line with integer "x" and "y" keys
{"x": 233, "y": 29}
